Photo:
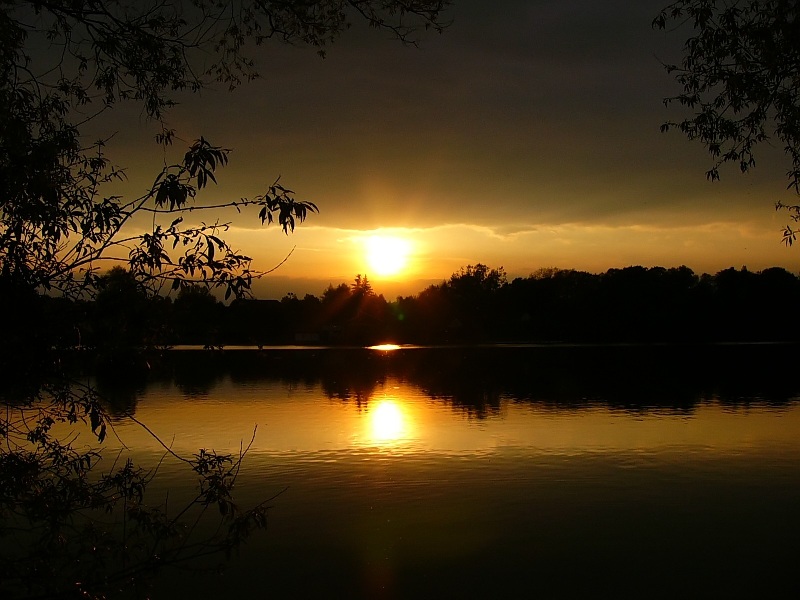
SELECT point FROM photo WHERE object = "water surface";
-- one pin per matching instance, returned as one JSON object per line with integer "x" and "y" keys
{"x": 494, "y": 472}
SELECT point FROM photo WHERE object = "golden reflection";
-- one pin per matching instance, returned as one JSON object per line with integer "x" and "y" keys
{"x": 388, "y": 422}
{"x": 403, "y": 417}
{"x": 385, "y": 347}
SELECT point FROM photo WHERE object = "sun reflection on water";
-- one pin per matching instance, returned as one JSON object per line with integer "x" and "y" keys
{"x": 385, "y": 347}
{"x": 388, "y": 423}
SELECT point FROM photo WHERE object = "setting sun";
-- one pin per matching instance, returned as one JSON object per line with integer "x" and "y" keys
{"x": 386, "y": 255}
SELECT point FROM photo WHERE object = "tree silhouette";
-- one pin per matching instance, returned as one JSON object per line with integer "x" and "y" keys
{"x": 473, "y": 293}
{"x": 197, "y": 316}
{"x": 63, "y": 63}
{"x": 739, "y": 77}
{"x": 362, "y": 286}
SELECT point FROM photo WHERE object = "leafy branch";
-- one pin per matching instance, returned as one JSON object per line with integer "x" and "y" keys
{"x": 739, "y": 80}
{"x": 56, "y": 508}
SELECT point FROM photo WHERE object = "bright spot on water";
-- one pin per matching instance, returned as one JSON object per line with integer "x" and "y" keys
{"x": 387, "y": 421}
{"x": 385, "y": 347}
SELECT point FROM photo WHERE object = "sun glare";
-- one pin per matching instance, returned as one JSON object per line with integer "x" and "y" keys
{"x": 387, "y": 422}
{"x": 385, "y": 347}
{"x": 386, "y": 255}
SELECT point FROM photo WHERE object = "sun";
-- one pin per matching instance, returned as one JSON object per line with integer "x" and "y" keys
{"x": 386, "y": 255}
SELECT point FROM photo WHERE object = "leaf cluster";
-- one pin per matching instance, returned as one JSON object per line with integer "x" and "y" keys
{"x": 740, "y": 79}
{"x": 108, "y": 52}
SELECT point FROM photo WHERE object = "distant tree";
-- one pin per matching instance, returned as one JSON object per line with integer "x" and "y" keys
{"x": 739, "y": 77}
{"x": 197, "y": 316}
{"x": 553, "y": 304}
{"x": 545, "y": 273}
{"x": 353, "y": 314}
{"x": 122, "y": 314}
{"x": 429, "y": 316}
{"x": 473, "y": 292}
{"x": 477, "y": 279}
{"x": 362, "y": 286}
{"x": 335, "y": 300}
{"x": 632, "y": 301}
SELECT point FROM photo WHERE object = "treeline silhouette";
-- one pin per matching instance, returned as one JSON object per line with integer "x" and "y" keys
{"x": 475, "y": 305}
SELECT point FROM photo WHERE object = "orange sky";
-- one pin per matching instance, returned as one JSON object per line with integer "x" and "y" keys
{"x": 526, "y": 136}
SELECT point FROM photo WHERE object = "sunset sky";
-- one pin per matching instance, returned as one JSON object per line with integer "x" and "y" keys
{"x": 525, "y": 136}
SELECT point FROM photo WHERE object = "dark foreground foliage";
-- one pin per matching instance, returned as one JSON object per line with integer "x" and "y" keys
{"x": 73, "y": 521}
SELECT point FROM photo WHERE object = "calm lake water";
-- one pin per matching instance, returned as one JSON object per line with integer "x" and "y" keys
{"x": 503, "y": 472}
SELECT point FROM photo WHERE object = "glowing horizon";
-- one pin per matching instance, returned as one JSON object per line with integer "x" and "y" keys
{"x": 539, "y": 158}
{"x": 325, "y": 256}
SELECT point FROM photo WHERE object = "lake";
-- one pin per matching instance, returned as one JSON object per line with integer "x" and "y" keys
{"x": 528, "y": 471}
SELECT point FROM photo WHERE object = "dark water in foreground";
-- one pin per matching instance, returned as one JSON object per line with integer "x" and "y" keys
{"x": 551, "y": 472}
